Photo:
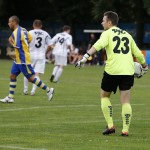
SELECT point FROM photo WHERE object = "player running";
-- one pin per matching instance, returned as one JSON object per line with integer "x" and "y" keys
{"x": 61, "y": 43}
{"x": 38, "y": 47}
{"x": 20, "y": 40}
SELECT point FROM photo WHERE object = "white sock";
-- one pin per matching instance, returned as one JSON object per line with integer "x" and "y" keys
{"x": 25, "y": 84}
{"x": 34, "y": 85}
{"x": 58, "y": 74}
{"x": 55, "y": 70}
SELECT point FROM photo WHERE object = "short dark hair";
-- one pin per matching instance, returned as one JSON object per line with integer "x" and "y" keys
{"x": 66, "y": 27}
{"x": 112, "y": 16}
{"x": 15, "y": 18}
{"x": 37, "y": 23}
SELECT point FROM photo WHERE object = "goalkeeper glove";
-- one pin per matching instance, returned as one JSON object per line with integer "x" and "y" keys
{"x": 144, "y": 71}
{"x": 82, "y": 61}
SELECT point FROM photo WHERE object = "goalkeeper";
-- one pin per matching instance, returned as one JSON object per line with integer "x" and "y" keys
{"x": 119, "y": 70}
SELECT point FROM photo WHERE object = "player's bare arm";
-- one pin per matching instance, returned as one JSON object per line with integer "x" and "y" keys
{"x": 91, "y": 51}
{"x": 49, "y": 48}
{"x": 10, "y": 40}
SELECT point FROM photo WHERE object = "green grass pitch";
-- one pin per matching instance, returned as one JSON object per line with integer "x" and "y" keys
{"x": 73, "y": 120}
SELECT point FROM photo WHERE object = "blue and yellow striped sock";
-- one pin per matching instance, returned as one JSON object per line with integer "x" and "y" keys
{"x": 40, "y": 84}
{"x": 12, "y": 87}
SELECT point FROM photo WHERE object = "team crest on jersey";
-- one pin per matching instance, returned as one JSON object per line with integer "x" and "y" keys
{"x": 118, "y": 31}
{"x": 38, "y": 33}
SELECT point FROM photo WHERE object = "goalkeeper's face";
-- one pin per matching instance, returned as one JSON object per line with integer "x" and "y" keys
{"x": 106, "y": 23}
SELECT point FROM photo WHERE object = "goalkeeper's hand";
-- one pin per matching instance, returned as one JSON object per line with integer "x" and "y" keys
{"x": 81, "y": 63}
{"x": 144, "y": 71}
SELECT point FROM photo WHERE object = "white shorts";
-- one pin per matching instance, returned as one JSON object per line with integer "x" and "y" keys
{"x": 60, "y": 60}
{"x": 38, "y": 65}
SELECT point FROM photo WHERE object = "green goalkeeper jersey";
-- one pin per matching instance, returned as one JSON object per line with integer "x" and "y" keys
{"x": 120, "y": 48}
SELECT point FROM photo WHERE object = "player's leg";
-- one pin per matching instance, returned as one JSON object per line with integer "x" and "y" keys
{"x": 12, "y": 85}
{"x": 39, "y": 83}
{"x": 39, "y": 67}
{"x": 25, "y": 91}
{"x": 28, "y": 71}
{"x": 58, "y": 74}
{"x": 55, "y": 69}
{"x": 109, "y": 83}
{"x": 107, "y": 110}
{"x": 15, "y": 71}
{"x": 61, "y": 61}
{"x": 125, "y": 85}
{"x": 126, "y": 111}
{"x": 34, "y": 86}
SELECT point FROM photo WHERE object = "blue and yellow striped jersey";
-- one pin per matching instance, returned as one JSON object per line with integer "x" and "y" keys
{"x": 21, "y": 38}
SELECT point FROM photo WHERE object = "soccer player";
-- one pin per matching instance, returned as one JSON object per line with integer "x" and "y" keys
{"x": 119, "y": 69}
{"x": 61, "y": 42}
{"x": 20, "y": 39}
{"x": 38, "y": 47}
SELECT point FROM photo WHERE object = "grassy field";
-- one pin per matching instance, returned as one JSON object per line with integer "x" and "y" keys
{"x": 73, "y": 120}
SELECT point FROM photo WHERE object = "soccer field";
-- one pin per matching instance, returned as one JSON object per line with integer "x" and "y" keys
{"x": 73, "y": 120}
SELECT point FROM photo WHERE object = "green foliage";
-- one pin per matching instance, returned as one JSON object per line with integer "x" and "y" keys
{"x": 129, "y": 11}
{"x": 72, "y": 11}
{"x": 147, "y": 6}
{"x": 100, "y": 6}
{"x": 125, "y": 9}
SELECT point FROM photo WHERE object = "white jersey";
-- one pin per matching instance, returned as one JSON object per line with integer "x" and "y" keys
{"x": 61, "y": 41}
{"x": 40, "y": 41}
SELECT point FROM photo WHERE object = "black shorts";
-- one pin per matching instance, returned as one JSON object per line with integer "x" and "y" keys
{"x": 111, "y": 82}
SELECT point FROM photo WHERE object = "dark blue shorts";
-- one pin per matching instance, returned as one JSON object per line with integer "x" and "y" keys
{"x": 27, "y": 70}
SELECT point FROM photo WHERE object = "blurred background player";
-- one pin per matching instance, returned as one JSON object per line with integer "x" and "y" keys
{"x": 20, "y": 40}
{"x": 38, "y": 47}
{"x": 92, "y": 58}
{"x": 61, "y": 42}
{"x": 73, "y": 55}
{"x": 95, "y": 58}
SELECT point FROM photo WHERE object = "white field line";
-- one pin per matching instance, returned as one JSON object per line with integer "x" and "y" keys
{"x": 71, "y": 81}
{"x": 21, "y": 148}
{"x": 60, "y": 106}
{"x": 72, "y": 122}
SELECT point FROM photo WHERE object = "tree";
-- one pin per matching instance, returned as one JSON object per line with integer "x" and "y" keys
{"x": 71, "y": 11}
{"x": 147, "y": 6}
{"x": 129, "y": 11}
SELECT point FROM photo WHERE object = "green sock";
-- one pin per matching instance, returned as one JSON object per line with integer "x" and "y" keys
{"x": 126, "y": 116}
{"x": 107, "y": 111}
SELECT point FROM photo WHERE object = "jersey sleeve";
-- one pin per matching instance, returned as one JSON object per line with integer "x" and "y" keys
{"x": 12, "y": 35}
{"x": 69, "y": 40}
{"x": 29, "y": 37}
{"x": 48, "y": 40}
{"x": 102, "y": 42}
{"x": 54, "y": 39}
{"x": 137, "y": 53}
{"x": 11, "y": 39}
